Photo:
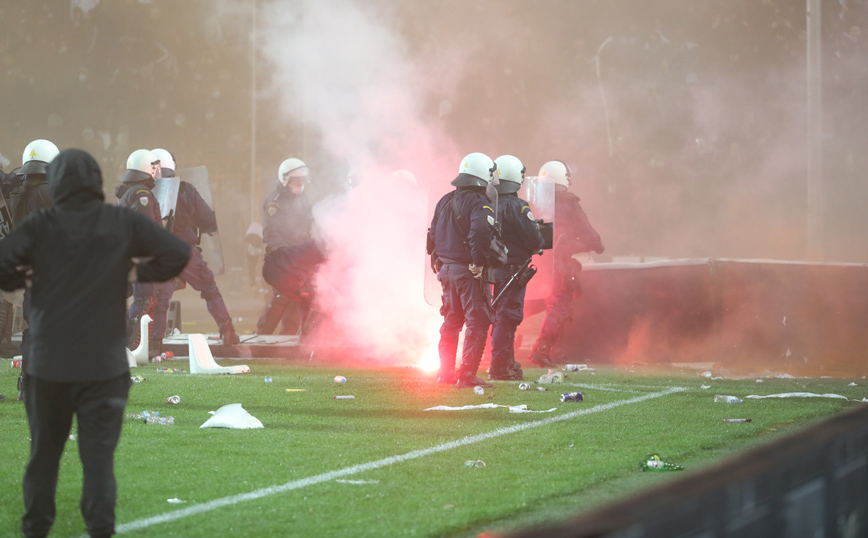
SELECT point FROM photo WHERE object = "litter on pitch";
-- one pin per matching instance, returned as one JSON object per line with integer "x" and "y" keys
{"x": 512, "y": 408}
{"x": 234, "y": 417}
{"x": 202, "y": 362}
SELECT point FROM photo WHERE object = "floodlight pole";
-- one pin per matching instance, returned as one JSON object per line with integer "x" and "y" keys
{"x": 815, "y": 211}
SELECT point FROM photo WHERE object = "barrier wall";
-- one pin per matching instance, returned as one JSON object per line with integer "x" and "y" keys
{"x": 750, "y": 315}
{"x": 812, "y": 483}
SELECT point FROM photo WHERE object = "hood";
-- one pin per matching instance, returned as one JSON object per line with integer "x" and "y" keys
{"x": 74, "y": 176}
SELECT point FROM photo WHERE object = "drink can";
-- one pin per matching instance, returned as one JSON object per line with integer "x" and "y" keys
{"x": 572, "y": 397}
{"x": 346, "y": 397}
{"x": 16, "y": 363}
{"x": 167, "y": 355}
{"x": 524, "y": 386}
{"x": 173, "y": 400}
{"x": 137, "y": 379}
{"x": 479, "y": 390}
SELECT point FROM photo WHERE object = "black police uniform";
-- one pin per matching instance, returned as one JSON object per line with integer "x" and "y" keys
{"x": 573, "y": 234}
{"x": 27, "y": 192}
{"x": 522, "y": 238}
{"x": 193, "y": 217}
{"x": 287, "y": 223}
{"x": 135, "y": 192}
{"x": 466, "y": 300}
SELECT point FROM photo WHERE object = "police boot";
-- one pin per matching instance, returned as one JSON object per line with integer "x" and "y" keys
{"x": 541, "y": 354}
{"x": 228, "y": 334}
{"x": 505, "y": 369}
{"x": 467, "y": 378}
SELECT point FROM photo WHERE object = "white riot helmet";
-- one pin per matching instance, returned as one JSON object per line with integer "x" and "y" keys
{"x": 143, "y": 160}
{"x": 167, "y": 161}
{"x": 37, "y": 155}
{"x": 510, "y": 174}
{"x": 475, "y": 170}
{"x": 554, "y": 172}
{"x": 293, "y": 173}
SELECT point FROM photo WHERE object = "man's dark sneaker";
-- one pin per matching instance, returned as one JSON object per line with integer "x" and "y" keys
{"x": 539, "y": 355}
{"x": 469, "y": 379}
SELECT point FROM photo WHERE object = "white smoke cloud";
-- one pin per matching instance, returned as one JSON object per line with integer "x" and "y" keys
{"x": 344, "y": 73}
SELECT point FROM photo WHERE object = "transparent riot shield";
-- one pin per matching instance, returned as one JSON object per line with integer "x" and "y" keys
{"x": 212, "y": 251}
{"x": 433, "y": 292}
{"x": 5, "y": 218}
{"x": 541, "y": 198}
{"x": 166, "y": 193}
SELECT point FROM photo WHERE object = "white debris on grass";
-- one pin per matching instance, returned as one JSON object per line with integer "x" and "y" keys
{"x": 175, "y": 500}
{"x": 344, "y": 481}
{"x": 512, "y": 408}
{"x": 797, "y": 395}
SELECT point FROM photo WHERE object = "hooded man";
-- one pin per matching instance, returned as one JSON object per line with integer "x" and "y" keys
{"x": 75, "y": 258}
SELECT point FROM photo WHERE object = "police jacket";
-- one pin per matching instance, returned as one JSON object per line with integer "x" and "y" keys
{"x": 455, "y": 241}
{"x": 193, "y": 216}
{"x": 135, "y": 192}
{"x": 80, "y": 251}
{"x": 287, "y": 221}
{"x": 573, "y": 232}
{"x": 30, "y": 195}
{"x": 519, "y": 231}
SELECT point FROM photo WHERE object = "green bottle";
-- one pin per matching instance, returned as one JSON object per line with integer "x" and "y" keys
{"x": 653, "y": 464}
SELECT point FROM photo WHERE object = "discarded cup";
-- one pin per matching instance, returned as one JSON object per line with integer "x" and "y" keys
{"x": 575, "y": 367}
{"x": 736, "y": 420}
{"x": 137, "y": 379}
{"x": 16, "y": 364}
{"x": 727, "y": 399}
{"x": 524, "y": 386}
{"x": 479, "y": 390}
{"x": 268, "y": 379}
{"x": 340, "y": 379}
{"x": 572, "y": 397}
{"x": 173, "y": 400}
{"x": 474, "y": 463}
{"x": 346, "y": 397}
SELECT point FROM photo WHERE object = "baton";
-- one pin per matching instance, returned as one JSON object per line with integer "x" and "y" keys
{"x": 511, "y": 280}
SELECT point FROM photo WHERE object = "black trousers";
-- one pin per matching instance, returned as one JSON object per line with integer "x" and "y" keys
{"x": 99, "y": 407}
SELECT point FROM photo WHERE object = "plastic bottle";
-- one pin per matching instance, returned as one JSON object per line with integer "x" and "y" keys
{"x": 658, "y": 466}
{"x": 552, "y": 377}
{"x": 474, "y": 463}
{"x": 727, "y": 399}
{"x": 346, "y": 397}
{"x": 268, "y": 379}
{"x": 173, "y": 400}
{"x": 575, "y": 367}
{"x": 340, "y": 379}
{"x": 160, "y": 420}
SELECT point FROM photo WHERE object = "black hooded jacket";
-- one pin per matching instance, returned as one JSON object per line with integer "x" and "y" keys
{"x": 80, "y": 251}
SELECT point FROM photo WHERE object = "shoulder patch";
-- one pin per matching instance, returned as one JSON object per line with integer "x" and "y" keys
{"x": 272, "y": 209}
{"x": 530, "y": 214}
{"x": 490, "y": 220}
{"x": 143, "y": 201}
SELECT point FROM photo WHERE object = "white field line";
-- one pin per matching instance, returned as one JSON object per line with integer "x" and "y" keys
{"x": 391, "y": 460}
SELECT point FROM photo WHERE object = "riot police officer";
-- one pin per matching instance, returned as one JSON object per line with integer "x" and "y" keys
{"x": 459, "y": 239}
{"x": 135, "y": 192}
{"x": 287, "y": 223}
{"x": 27, "y": 192}
{"x": 193, "y": 217}
{"x": 573, "y": 234}
{"x": 522, "y": 238}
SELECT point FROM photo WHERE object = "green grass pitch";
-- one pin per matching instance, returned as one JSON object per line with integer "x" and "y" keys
{"x": 379, "y": 465}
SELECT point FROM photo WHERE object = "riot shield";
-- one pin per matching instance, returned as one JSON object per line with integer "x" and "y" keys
{"x": 541, "y": 198}
{"x": 5, "y": 218}
{"x": 433, "y": 292}
{"x": 166, "y": 192}
{"x": 212, "y": 251}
